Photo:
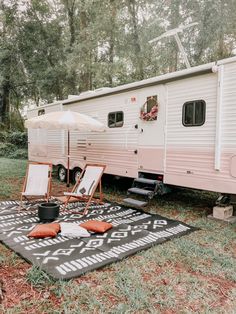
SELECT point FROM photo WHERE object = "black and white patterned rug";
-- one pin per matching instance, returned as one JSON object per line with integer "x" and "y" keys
{"x": 64, "y": 258}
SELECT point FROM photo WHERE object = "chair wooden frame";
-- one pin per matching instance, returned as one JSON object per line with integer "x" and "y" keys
{"x": 48, "y": 193}
{"x": 88, "y": 198}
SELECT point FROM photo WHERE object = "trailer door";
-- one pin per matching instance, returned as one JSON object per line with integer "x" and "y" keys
{"x": 151, "y": 125}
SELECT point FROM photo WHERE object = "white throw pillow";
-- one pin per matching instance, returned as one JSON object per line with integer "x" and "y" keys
{"x": 73, "y": 230}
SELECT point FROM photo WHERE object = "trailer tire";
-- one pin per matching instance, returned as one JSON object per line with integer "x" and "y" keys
{"x": 62, "y": 174}
{"x": 75, "y": 174}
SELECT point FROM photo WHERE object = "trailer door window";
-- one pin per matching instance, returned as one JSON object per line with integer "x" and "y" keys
{"x": 151, "y": 102}
{"x": 149, "y": 109}
{"x": 115, "y": 119}
{"x": 194, "y": 113}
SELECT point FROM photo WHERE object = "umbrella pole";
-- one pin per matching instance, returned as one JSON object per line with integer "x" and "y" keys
{"x": 68, "y": 159}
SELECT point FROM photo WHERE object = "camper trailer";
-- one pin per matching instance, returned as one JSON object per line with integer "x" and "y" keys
{"x": 178, "y": 129}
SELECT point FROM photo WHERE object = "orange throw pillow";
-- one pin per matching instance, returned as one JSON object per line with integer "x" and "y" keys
{"x": 45, "y": 230}
{"x": 96, "y": 226}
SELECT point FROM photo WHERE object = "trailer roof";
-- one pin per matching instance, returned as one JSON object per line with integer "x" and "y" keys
{"x": 161, "y": 79}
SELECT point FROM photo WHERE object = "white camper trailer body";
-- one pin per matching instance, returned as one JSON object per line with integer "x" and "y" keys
{"x": 197, "y": 155}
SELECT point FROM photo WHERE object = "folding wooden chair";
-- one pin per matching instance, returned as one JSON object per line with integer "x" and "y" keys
{"x": 37, "y": 181}
{"x": 86, "y": 186}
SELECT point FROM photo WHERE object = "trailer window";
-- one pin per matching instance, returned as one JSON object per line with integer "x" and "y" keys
{"x": 41, "y": 112}
{"x": 115, "y": 119}
{"x": 194, "y": 113}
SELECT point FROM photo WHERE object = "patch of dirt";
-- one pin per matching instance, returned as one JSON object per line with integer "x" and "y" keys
{"x": 16, "y": 289}
{"x": 15, "y": 286}
{"x": 221, "y": 289}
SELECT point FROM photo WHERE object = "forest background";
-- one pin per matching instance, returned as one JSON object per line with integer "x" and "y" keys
{"x": 52, "y": 48}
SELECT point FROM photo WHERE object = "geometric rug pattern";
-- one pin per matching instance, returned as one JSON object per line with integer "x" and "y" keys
{"x": 64, "y": 258}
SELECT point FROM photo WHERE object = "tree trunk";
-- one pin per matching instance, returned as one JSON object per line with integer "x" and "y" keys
{"x": 4, "y": 115}
{"x": 71, "y": 19}
{"x": 137, "y": 47}
{"x": 85, "y": 77}
{"x": 70, "y": 6}
{"x": 70, "y": 9}
{"x": 111, "y": 52}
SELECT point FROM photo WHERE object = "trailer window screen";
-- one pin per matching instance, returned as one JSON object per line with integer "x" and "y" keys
{"x": 194, "y": 113}
{"x": 115, "y": 119}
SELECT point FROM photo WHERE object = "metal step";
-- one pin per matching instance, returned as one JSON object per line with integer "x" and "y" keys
{"x": 146, "y": 181}
{"x": 140, "y": 191}
{"x": 134, "y": 202}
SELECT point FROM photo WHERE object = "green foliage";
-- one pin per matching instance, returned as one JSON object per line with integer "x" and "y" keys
{"x": 17, "y": 138}
{"x": 49, "y": 49}
{"x": 6, "y": 149}
{"x": 3, "y": 136}
{"x": 14, "y": 145}
{"x": 16, "y": 120}
{"x": 20, "y": 153}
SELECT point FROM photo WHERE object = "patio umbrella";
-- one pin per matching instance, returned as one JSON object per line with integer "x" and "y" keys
{"x": 65, "y": 120}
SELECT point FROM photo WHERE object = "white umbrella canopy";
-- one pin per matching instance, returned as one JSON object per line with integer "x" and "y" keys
{"x": 65, "y": 120}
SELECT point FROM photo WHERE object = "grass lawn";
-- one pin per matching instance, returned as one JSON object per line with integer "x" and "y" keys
{"x": 11, "y": 173}
{"x": 192, "y": 274}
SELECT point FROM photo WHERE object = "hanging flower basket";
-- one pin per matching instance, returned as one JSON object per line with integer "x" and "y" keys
{"x": 152, "y": 114}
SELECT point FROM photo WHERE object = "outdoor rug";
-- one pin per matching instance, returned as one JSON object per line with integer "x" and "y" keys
{"x": 64, "y": 258}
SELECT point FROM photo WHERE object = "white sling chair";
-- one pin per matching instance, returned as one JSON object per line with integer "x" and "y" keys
{"x": 86, "y": 185}
{"x": 37, "y": 181}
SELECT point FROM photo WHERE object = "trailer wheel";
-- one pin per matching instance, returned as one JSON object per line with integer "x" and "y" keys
{"x": 75, "y": 174}
{"x": 62, "y": 174}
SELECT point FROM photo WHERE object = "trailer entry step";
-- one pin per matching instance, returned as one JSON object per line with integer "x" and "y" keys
{"x": 134, "y": 202}
{"x": 146, "y": 181}
{"x": 141, "y": 192}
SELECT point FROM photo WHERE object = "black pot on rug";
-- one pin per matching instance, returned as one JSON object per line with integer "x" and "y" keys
{"x": 47, "y": 212}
